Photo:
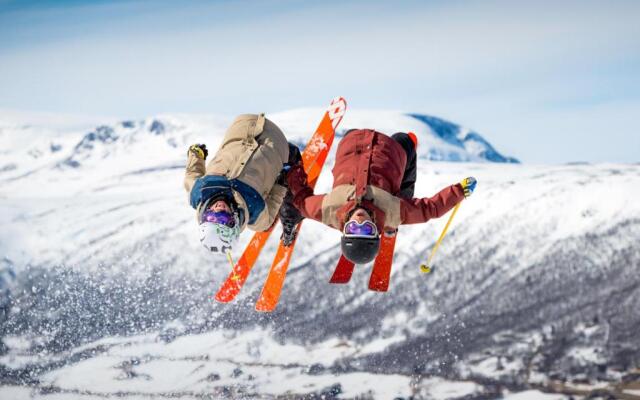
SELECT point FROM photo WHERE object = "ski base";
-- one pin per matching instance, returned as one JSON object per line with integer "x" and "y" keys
{"x": 270, "y": 295}
{"x": 343, "y": 272}
{"x": 381, "y": 272}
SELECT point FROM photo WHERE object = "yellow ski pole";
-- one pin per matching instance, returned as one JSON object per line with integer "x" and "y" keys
{"x": 426, "y": 268}
{"x": 230, "y": 259}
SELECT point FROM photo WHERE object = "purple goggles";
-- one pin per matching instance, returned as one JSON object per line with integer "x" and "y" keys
{"x": 220, "y": 217}
{"x": 365, "y": 229}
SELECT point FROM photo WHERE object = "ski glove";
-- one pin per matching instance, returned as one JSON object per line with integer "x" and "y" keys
{"x": 468, "y": 185}
{"x": 295, "y": 158}
{"x": 200, "y": 151}
{"x": 289, "y": 217}
{"x": 289, "y": 234}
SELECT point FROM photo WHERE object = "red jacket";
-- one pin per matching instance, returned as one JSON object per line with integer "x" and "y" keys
{"x": 368, "y": 172}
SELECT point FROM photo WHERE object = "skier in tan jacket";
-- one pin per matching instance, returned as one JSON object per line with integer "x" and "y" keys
{"x": 243, "y": 185}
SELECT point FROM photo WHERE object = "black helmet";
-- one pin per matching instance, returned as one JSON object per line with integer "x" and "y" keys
{"x": 360, "y": 250}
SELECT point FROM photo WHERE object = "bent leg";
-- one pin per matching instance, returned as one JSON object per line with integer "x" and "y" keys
{"x": 408, "y": 185}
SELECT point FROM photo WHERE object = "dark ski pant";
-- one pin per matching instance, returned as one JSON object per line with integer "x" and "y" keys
{"x": 289, "y": 215}
{"x": 408, "y": 185}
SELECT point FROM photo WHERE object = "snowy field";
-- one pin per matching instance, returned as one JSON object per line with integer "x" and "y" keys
{"x": 107, "y": 292}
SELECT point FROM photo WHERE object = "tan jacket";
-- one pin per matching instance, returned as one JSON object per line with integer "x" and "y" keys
{"x": 253, "y": 151}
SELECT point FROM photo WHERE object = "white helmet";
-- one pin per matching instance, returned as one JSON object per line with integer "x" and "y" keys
{"x": 218, "y": 238}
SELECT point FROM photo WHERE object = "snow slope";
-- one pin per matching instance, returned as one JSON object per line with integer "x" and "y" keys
{"x": 536, "y": 281}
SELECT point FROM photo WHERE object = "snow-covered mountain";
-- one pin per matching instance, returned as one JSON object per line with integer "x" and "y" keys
{"x": 107, "y": 290}
{"x": 464, "y": 144}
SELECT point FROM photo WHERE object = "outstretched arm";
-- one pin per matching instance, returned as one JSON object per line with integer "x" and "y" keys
{"x": 309, "y": 205}
{"x": 415, "y": 211}
{"x": 195, "y": 165}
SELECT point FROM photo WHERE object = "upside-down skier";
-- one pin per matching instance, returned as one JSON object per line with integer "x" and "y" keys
{"x": 243, "y": 185}
{"x": 373, "y": 184}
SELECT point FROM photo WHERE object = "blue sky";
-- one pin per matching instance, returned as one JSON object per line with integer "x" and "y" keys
{"x": 544, "y": 81}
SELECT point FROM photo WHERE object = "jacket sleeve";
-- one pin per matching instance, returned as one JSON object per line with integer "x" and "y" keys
{"x": 309, "y": 205}
{"x": 195, "y": 169}
{"x": 272, "y": 206}
{"x": 415, "y": 211}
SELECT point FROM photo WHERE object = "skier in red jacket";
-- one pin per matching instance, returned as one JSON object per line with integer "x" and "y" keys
{"x": 373, "y": 183}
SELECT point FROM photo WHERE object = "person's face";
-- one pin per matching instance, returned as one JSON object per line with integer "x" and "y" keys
{"x": 360, "y": 215}
{"x": 219, "y": 206}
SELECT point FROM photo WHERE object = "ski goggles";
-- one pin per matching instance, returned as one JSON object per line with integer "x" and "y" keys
{"x": 355, "y": 229}
{"x": 219, "y": 217}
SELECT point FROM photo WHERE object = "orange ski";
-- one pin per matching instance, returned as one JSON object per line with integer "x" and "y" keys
{"x": 312, "y": 155}
{"x": 238, "y": 276}
{"x": 379, "y": 280}
{"x": 273, "y": 286}
{"x": 313, "y": 159}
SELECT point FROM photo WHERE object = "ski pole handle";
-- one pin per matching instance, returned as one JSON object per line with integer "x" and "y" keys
{"x": 426, "y": 268}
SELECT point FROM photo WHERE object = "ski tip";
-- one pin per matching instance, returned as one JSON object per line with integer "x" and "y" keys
{"x": 221, "y": 300}
{"x": 222, "y": 297}
{"x": 338, "y": 99}
{"x": 266, "y": 303}
{"x": 265, "y": 307}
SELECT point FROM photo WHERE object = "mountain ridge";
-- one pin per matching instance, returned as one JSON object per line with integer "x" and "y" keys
{"x": 108, "y": 140}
